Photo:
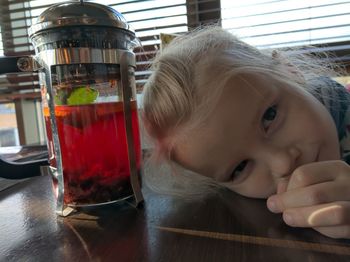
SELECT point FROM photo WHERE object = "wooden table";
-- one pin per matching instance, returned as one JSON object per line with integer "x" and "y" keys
{"x": 226, "y": 227}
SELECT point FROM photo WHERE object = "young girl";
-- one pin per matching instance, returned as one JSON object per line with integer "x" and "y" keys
{"x": 262, "y": 124}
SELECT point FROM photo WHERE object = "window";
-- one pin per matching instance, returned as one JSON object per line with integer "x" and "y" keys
{"x": 287, "y": 23}
{"x": 280, "y": 23}
{"x": 1, "y": 45}
{"x": 8, "y": 125}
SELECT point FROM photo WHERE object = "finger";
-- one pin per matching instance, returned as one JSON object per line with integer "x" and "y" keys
{"x": 309, "y": 196}
{"x": 318, "y": 172}
{"x": 335, "y": 231}
{"x": 332, "y": 214}
{"x": 282, "y": 186}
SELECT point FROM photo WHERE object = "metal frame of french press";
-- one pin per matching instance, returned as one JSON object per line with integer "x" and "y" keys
{"x": 43, "y": 61}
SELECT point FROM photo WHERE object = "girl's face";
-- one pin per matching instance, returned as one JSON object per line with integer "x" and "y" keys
{"x": 258, "y": 134}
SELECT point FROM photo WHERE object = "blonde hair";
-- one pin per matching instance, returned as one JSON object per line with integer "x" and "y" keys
{"x": 187, "y": 80}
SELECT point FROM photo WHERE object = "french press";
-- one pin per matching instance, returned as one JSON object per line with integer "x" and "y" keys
{"x": 83, "y": 53}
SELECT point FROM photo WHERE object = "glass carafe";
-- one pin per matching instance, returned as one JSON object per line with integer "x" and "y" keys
{"x": 83, "y": 52}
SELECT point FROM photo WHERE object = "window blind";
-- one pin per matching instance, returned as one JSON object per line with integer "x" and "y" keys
{"x": 288, "y": 23}
{"x": 148, "y": 18}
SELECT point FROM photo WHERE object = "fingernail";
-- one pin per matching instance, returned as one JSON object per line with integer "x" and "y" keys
{"x": 288, "y": 218}
{"x": 271, "y": 204}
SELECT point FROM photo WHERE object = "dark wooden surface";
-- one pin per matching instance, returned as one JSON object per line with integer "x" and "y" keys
{"x": 226, "y": 227}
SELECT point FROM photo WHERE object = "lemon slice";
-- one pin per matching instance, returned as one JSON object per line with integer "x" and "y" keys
{"x": 82, "y": 95}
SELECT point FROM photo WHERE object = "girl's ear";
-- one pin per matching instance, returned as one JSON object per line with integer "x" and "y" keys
{"x": 288, "y": 66}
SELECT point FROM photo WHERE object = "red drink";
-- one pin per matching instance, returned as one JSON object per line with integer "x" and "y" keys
{"x": 94, "y": 151}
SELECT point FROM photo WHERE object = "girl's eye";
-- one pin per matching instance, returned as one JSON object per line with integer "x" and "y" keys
{"x": 268, "y": 117}
{"x": 239, "y": 169}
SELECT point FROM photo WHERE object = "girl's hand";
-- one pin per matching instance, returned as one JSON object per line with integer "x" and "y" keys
{"x": 318, "y": 196}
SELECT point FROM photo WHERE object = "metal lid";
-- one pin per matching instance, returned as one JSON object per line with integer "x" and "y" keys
{"x": 79, "y": 13}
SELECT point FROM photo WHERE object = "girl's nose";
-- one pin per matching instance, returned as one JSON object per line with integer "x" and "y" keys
{"x": 282, "y": 162}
